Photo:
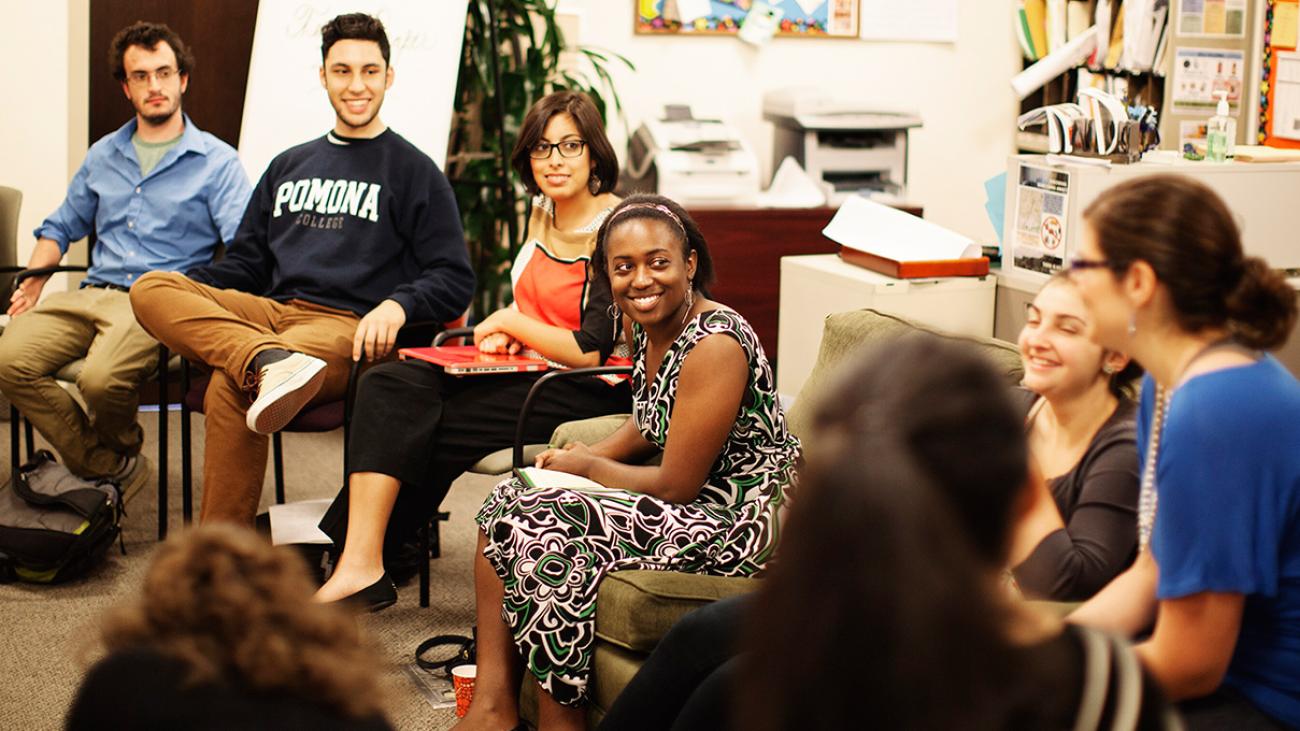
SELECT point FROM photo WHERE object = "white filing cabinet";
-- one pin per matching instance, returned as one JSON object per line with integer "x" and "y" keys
{"x": 813, "y": 287}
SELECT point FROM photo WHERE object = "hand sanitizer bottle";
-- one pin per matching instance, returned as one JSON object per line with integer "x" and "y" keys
{"x": 1221, "y": 132}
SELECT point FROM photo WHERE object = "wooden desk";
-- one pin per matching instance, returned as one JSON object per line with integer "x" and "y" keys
{"x": 747, "y": 245}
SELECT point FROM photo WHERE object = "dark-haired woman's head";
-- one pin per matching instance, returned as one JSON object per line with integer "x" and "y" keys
{"x": 949, "y": 413}
{"x": 562, "y": 150}
{"x": 1179, "y": 235}
{"x": 885, "y": 581}
{"x": 651, "y": 254}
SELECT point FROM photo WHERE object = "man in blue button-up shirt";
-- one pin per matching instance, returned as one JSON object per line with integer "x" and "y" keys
{"x": 158, "y": 193}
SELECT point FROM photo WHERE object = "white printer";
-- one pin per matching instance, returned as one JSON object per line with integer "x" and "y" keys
{"x": 696, "y": 162}
{"x": 848, "y": 145}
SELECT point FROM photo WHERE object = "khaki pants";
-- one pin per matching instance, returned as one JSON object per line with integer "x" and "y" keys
{"x": 95, "y": 324}
{"x": 225, "y": 328}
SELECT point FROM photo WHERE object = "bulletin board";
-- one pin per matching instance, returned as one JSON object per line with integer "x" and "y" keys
{"x": 802, "y": 18}
{"x": 1281, "y": 24}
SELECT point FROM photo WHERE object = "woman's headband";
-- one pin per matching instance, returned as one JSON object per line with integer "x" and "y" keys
{"x": 654, "y": 207}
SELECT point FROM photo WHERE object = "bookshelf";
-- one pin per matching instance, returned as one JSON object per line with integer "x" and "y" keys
{"x": 1188, "y": 47}
{"x": 1135, "y": 88}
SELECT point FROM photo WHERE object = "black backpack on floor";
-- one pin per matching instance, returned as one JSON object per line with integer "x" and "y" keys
{"x": 55, "y": 526}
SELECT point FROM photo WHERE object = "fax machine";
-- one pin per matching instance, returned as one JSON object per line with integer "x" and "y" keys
{"x": 696, "y": 162}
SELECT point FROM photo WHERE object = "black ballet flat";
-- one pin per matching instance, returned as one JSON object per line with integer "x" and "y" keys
{"x": 380, "y": 595}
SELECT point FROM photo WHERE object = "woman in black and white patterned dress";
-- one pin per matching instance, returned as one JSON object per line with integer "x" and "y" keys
{"x": 704, "y": 397}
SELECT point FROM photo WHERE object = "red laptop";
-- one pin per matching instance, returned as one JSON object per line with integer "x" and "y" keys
{"x": 466, "y": 360}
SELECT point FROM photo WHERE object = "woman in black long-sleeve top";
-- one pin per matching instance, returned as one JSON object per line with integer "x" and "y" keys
{"x": 1080, "y": 530}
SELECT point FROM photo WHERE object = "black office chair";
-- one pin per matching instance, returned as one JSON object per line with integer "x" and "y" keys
{"x": 67, "y": 375}
{"x": 495, "y": 464}
{"x": 325, "y": 417}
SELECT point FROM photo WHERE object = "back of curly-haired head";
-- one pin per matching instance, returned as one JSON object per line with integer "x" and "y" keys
{"x": 236, "y": 610}
{"x": 147, "y": 35}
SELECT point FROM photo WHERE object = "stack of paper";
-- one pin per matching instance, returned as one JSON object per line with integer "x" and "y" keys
{"x": 1144, "y": 33}
{"x": 1260, "y": 153}
{"x": 792, "y": 187}
{"x": 898, "y": 244}
{"x": 538, "y": 477}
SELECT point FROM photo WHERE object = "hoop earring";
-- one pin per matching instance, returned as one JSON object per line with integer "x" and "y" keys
{"x": 615, "y": 315}
{"x": 593, "y": 184}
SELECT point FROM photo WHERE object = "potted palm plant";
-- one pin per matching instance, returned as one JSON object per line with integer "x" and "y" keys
{"x": 513, "y": 54}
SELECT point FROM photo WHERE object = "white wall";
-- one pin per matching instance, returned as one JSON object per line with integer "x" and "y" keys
{"x": 962, "y": 91}
{"x": 43, "y": 137}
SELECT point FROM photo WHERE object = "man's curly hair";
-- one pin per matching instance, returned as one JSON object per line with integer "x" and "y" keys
{"x": 237, "y": 611}
{"x": 147, "y": 35}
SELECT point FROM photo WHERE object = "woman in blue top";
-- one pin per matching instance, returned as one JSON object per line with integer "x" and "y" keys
{"x": 1217, "y": 579}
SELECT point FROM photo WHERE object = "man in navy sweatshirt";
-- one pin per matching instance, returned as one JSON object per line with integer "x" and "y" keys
{"x": 347, "y": 238}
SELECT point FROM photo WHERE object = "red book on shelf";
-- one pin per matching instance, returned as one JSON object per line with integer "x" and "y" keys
{"x": 974, "y": 267}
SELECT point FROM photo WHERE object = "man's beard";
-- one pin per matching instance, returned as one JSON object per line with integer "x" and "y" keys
{"x": 161, "y": 118}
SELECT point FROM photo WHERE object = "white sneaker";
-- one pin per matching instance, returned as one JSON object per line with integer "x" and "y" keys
{"x": 133, "y": 476}
{"x": 284, "y": 387}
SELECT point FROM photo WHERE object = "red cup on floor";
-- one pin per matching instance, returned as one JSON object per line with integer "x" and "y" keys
{"x": 462, "y": 681}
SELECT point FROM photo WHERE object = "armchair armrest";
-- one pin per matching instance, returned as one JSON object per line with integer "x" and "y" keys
{"x": 453, "y": 332}
{"x": 541, "y": 384}
{"x": 24, "y": 273}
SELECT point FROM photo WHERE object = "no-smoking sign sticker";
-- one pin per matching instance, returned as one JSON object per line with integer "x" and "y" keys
{"x": 1051, "y": 232}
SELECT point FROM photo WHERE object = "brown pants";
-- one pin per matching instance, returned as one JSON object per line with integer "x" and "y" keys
{"x": 225, "y": 328}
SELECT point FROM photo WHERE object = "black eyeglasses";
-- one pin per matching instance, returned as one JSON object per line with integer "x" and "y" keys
{"x": 567, "y": 148}
{"x": 1079, "y": 264}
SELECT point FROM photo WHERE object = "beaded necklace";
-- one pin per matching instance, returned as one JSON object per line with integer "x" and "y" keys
{"x": 1147, "y": 496}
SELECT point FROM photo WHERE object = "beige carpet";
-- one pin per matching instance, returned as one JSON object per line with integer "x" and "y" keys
{"x": 46, "y": 631}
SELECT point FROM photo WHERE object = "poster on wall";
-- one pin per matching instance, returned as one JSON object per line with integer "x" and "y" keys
{"x": 284, "y": 104}
{"x": 932, "y": 21}
{"x": 797, "y": 18}
{"x": 1212, "y": 18}
{"x": 1041, "y": 214}
{"x": 1286, "y": 97}
{"x": 1279, "y": 103}
{"x": 1201, "y": 73}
